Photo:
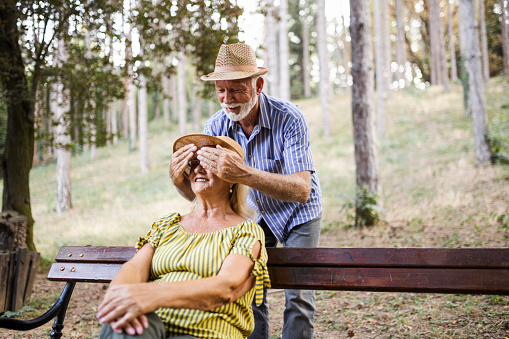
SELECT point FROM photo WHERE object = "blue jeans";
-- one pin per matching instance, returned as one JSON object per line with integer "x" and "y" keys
{"x": 300, "y": 304}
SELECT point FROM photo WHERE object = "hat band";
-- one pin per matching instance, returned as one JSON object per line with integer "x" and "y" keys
{"x": 230, "y": 68}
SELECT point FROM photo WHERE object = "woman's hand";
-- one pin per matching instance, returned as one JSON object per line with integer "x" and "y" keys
{"x": 124, "y": 308}
{"x": 179, "y": 162}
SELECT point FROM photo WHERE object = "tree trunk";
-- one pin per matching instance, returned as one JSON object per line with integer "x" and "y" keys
{"x": 284, "y": 51}
{"x": 484, "y": 43}
{"x": 464, "y": 67}
{"x": 475, "y": 80}
{"x": 60, "y": 109}
{"x": 366, "y": 155}
{"x": 434, "y": 43}
{"x": 379, "y": 69}
{"x": 323, "y": 58}
{"x": 452, "y": 49}
{"x": 387, "y": 49}
{"x": 443, "y": 60}
{"x": 93, "y": 129}
{"x": 272, "y": 50}
{"x": 505, "y": 39}
{"x": 400, "y": 46}
{"x": 165, "y": 82}
{"x": 131, "y": 90}
{"x": 19, "y": 143}
{"x": 143, "y": 119}
{"x": 305, "y": 51}
{"x": 181, "y": 93}
{"x": 345, "y": 51}
{"x": 173, "y": 97}
{"x": 197, "y": 114}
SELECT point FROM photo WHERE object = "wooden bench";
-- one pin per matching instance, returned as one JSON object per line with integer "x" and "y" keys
{"x": 423, "y": 270}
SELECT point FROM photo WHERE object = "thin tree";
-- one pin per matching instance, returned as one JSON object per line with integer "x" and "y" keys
{"x": 386, "y": 43}
{"x": 143, "y": 117}
{"x": 60, "y": 106}
{"x": 452, "y": 48}
{"x": 284, "y": 51}
{"x": 379, "y": 69}
{"x": 272, "y": 49}
{"x": 505, "y": 38}
{"x": 323, "y": 58}
{"x": 131, "y": 87}
{"x": 484, "y": 43}
{"x": 181, "y": 92}
{"x": 305, "y": 49}
{"x": 400, "y": 46}
{"x": 475, "y": 80}
{"x": 366, "y": 154}
{"x": 443, "y": 60}
{"x": 91, "y": 125}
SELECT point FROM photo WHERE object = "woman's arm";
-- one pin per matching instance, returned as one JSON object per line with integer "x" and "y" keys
{"x": 134, "y": 271}
{"x": 128, "y": 301}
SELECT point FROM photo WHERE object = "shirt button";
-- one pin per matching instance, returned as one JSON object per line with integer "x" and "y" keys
{"x": 261, "y": 212}
{"x": 250, "y": 155}
{"x": 257, "y": 200}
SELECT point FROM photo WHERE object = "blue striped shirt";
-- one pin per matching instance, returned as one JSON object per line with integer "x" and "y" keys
{"x": 279, "y": 143}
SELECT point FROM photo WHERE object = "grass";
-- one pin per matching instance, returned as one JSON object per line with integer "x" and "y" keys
{"x": 433, "y": 193}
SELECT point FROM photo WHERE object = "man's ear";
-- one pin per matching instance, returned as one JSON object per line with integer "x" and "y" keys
{"x": 259, "y": 85}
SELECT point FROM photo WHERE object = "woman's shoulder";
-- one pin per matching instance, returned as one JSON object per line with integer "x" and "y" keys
{"x": 249, "y": 225}
{"x": 169, "y": 219}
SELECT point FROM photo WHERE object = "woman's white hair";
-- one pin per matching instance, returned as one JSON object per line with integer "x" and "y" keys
{"x": 238, "y": 202}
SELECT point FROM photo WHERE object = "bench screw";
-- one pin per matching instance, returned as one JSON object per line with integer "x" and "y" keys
{"x": 73, "y": 269}
{"x": 62, "y": 268}
{"x": 81, "y": 254}
{"x": 69, "y": 255}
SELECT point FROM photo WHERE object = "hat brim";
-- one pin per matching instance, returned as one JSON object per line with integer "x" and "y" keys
{"x": 234, "y": 75}
{"x": 203, "y": 140}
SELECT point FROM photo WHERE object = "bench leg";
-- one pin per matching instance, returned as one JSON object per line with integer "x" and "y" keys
{"x": 65, "y": 297}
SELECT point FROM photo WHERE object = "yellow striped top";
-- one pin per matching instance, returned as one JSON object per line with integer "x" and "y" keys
{"x": 180, "y": 256}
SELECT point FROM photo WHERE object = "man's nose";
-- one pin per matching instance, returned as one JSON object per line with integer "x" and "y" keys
{"x": 228, "y": 97}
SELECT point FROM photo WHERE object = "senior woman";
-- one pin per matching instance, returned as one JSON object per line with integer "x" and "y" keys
{"x": 194, "y": 275}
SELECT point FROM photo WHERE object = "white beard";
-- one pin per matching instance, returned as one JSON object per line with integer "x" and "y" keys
{"x": 245, "y": 108}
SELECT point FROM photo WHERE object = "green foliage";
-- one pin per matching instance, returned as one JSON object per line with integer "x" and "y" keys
{"x": 498, "y": 137}
{"x": 365, "y": 211}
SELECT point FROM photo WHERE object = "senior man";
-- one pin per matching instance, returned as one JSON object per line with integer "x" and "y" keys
{"x": 279, "y": 169}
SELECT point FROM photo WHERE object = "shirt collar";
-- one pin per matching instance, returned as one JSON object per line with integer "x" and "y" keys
{"x": 263, "y": 118}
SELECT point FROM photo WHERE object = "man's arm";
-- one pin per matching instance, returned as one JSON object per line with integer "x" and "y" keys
{"x": 229, "y": 166}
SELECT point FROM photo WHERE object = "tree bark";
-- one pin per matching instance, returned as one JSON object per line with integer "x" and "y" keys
{"x": 19, "y": 144}
{"x": 60, "y": 109}
{"x": 475, "y": 81}
{"x": 323, "y": 58}
{"x": 505, "y": 38}
{"x": 484, "y": 43}
{"x": 452, "y": 49}
{"x": 284, "y": 51}
{"x": 443, "y": 60}
{"x": 366, "y": 155}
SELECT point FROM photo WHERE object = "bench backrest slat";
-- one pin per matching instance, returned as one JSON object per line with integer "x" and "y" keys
{"x": 475, "y": 271}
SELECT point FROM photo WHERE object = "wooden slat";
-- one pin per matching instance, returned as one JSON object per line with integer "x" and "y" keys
{"x": 469, "y": 281}
{"x": 20, "y": 279}
{"x": 390, "y": 257}
{"x": 32, "y": 272}
{"x": 83, "y": 272}
{"x": 4, "y": 274}
{"x": 111, "y": 254}
{"x": 10, "y": 280}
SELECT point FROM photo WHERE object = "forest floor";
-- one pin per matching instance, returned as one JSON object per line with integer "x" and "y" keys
{"x": 433, "y": 193}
